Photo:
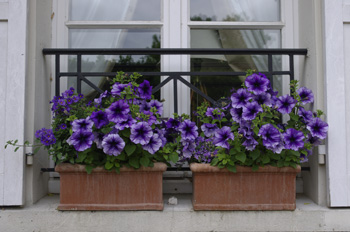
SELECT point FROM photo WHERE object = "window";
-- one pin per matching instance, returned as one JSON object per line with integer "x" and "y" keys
{"x": 175, "y": 24}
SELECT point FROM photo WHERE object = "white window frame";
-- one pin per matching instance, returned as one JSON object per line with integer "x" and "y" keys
{"x": 175, "y": 33}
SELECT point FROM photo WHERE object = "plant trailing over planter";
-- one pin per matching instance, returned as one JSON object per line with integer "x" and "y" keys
{"x": 120, "y": 128}
{"x": 250, "y": 131}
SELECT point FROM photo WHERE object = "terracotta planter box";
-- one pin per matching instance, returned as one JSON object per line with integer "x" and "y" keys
{"x": 269, "y": 188}
{"x": 131, "y": 189}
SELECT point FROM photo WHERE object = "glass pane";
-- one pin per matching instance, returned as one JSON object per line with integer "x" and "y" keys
{"x": 220, "y": 86}
{"x": 235, "y": 10}
{"x": 114, "y": 38}
{"x": 114, "y": 10}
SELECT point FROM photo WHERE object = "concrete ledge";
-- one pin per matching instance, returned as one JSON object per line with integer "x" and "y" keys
{"x": 43, "y": 216}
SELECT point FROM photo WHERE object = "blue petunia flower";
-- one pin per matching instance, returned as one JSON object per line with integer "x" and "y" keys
{"x": 118, "y": 88}
{"x": 113, "y": 144}
{"x": 222, "y": 136}
{"x": 99, "y": 118}
{"x": 251, "y": 110}
{"x": 81, "y": 140}
{"x": 236, "y": 114}
{"x": 285, "y": 104}
{"x": 257, "y": 84}
{"x": 154, "y": 144}
{"x": 318, "y": 128}
{"x": 306, "y": 95}
{"x": 270, "y": 135}
{"x": 145, "y": 90}
{"x": 240, "y": 98}
{"x": 141, "y": 133}
{"x": 293, "y": 139}
{"x": 188, "y": 130}
{"x": 118, "y": 111}
{"x": 305, "y": 114}
{"x": 82, "y": 124}
{"x": 209, "y": 129}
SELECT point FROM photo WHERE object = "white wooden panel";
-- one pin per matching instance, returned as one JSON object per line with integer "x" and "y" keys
{"x": 3, "y": 77}
{"x": 3, "y": 11}
{"x": 347, "y": 91}
{"x": 15, "y": 101}
{"x": 337, "y": 167}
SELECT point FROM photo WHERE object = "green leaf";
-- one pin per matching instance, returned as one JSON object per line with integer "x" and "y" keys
{"x": 294, "y": 153}
{"x": 134, "y": 162}
{"x": 231, "y": 168}
{"x": 144, "y": 161}
{"x": 16, "y": 149}
{"x": 88, "y": 169}
{"x": 81, "y": 157}
{"x": 122, "y": 156}
{"x": 130, "y": 148}
{"x": 255, "y": 167}
{"x": 256, "y": 130}
{"x": 214, "y": 162}
{"x": 255, "y": 154}
{"x": 109, "y": 165}
{"x": 126, "y": 133}
{"x": 174, "y": 157}
{"x": 265, "y": 159}
{"x": 241, "y": 157}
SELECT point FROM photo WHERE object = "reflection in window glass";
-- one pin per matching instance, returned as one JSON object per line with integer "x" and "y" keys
{"x": 235, "y": 10}
{"x": 114, "y": 10}
{"x": 221, "y": 86}
{"x": 114, "y": 38}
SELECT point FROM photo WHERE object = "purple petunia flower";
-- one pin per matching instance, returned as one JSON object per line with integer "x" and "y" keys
{"x": 189, "y": 147}
{"x": 82, "y": 124}
{"x": 222, "y": 136}
{"x": 257, "y": 84}
{"x": 188, "y": 130}
{"x": 209, "y": 129}
{"x": 250, "y": 143}
{"x": 214, "y": 113}
{"x": 98, "y": 101}
{"x": 306, "y": 95}
{"x": 270, "y": 135}
{"x": 113, "y": 145}
{"x": 145, "y": 90}
{"x": 245, "y": 129}
{"x": 263, "y": 99}
{"x": 155, "y": 143}
{"x": 285, "y": 104}
{"x": 118, "y": 111}
{"x": 98, "y": 138}
{"x": 251, "y": 110}
{"x": 75, "y": 99}
{"x": 318, "y": 128}
{"x": 279, "y": 147}
{"x": 118, "y": 88}
{"x": 293, "y": 139}
{"x": 157, "y": 105}
{"x": 99, "y": 118}
{"x": 236, "y": 114}
{"x": 240, "y": 98}
{"x": 125, "y": 124}
{"x": 305, "y": 114}
{"x": 173, "y": 123}
{"x": 81, "y": 140}
{"x": 141, "y": 133}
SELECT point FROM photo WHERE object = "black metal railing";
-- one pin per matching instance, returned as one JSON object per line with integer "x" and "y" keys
{"x": 170, "y": 76}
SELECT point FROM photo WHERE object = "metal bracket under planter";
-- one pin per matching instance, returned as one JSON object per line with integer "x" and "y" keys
{"x": 130, "y": 189}
{"x": 269, "y": 188}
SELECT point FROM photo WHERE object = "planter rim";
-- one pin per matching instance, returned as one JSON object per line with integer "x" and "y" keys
{"x": 67, "y": 167}
{"x": 198, "y": 167}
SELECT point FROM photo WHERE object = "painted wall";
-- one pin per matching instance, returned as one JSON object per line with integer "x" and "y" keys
{"x": 38, "y": 86}
{"x": 312, "y": 76}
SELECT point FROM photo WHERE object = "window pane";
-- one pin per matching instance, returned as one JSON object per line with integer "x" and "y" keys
{"x": 114, "y": 10}
{"x": 220, "y": 86}
{"x": 235, "y": 10}
{"x": 114, "y": 38}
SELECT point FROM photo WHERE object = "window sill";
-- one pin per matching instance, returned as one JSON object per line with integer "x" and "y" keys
{"x": 43, "y": 216}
